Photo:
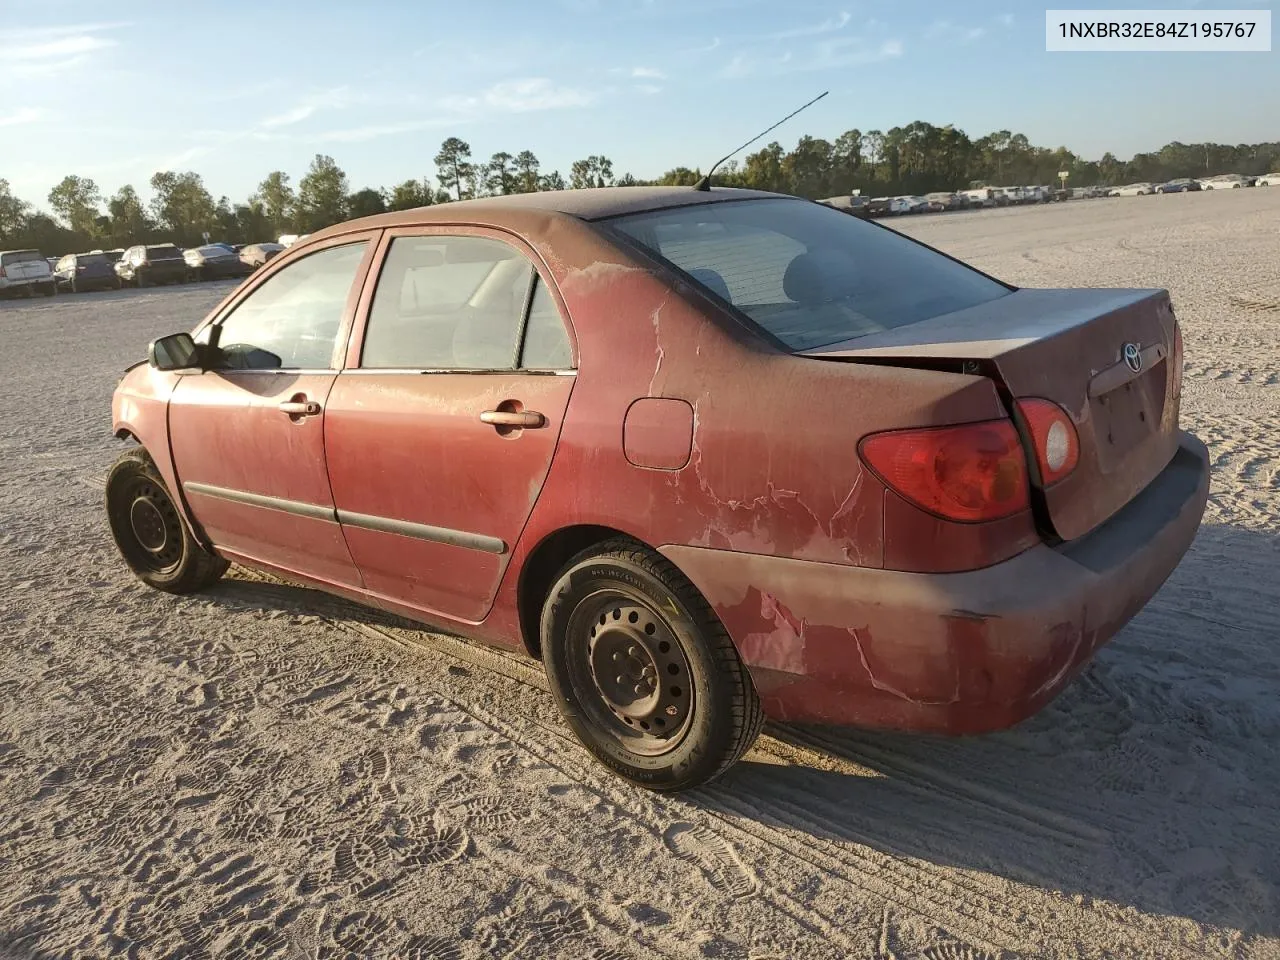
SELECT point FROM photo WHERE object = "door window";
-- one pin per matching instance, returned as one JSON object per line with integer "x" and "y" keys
{"x": 292, "y": 320}
{"x": 447, "y": 303}
{"x": 546, "y": 345}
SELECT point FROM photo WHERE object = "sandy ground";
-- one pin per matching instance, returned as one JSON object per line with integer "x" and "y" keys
{"x": 262, "y": 771}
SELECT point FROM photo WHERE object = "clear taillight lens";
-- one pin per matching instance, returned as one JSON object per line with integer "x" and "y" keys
{"x": 1057, "y": 444}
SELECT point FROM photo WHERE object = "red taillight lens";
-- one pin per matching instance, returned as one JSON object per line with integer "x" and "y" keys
{"x": 972, "y": 472}
{"x": 1056, "y": 441}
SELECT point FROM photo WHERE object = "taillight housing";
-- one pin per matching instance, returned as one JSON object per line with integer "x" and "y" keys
{"x": 1054, "y": 436}
{"x": 1178, "y": 357}
{"x": 971, "y": 473}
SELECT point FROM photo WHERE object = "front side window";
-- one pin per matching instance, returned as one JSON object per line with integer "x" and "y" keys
{"x": 807, "y": 274}
{"x": 292, "y": 320}
{"x": 447, "y": 303}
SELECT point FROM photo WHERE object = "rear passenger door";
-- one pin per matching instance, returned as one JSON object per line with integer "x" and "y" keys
{"x": 440, "y": 431}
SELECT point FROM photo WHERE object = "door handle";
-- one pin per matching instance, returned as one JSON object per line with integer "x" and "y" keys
{"x": 300, "y": 408}
{"x": 525, "y": 419}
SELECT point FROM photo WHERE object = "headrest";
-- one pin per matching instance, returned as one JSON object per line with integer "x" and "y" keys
{"x": 712, "y": 281}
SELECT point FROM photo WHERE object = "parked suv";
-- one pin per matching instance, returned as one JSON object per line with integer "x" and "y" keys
{"x": 78, "y": 272}
{"x": 25, "y": 271}
{"x": 142, "y": 266}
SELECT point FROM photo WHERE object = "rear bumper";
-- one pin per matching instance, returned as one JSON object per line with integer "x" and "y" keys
{"x": 948, "y": 653}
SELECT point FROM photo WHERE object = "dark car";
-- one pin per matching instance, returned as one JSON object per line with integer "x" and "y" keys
{"x": 142, "y": 266}
{"x": 597, "y": 426}
{"x": 79, "y": 272}
{"x": 1181, "y": 185}
{"x": 256, "y": 255}
{"x": 215, "y": 262}
{"x": 879, "y": 207}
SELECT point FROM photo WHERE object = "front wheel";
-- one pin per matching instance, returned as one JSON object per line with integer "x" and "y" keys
{"x": 644, "y": 672}
{"x": 50, "y": 289}
{"x": 149, "y": 531}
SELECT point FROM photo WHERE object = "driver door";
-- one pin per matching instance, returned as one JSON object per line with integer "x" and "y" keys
{"x": 247, "y": 435}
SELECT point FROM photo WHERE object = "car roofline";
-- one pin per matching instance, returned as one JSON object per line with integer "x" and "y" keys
{"x": 582, "y": 205}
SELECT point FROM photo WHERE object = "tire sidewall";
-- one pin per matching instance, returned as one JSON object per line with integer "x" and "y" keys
{"x": 138, "y": 465}
{"x": 709, "y": 735}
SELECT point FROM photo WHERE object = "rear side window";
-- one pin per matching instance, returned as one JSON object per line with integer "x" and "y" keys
{"x": 546, "y": 346}
{"x": 807, "y": 274}
{"x": 447, "y": 303}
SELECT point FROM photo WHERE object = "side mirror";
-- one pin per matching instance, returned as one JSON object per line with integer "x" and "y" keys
{"x": 174, "y": 352}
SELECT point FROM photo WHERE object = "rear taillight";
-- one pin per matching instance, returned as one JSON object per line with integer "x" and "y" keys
{"x": 972, "y": 472}
{"x": 1054, "y": 437}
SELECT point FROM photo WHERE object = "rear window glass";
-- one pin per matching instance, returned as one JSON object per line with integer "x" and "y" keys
{"x": 809, "y": 275}
{"x": 91, "y": 259}
{"x": 162, "y": 253}
{"x": 21, "y": 256}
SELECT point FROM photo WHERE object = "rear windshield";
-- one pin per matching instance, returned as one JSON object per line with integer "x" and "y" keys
{"x": 21, "y": 256}
{"x": 91, "y": 259}
{"x": 163, "y": 253}
{"x": 809, "y": 275}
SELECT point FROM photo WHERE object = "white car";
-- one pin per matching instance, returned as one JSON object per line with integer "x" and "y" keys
{"x": 1135, "y": 190}
{"x": 1268, "y": 180}
{"x": 1227, "y": 181}
{"x": 25, "y": 271}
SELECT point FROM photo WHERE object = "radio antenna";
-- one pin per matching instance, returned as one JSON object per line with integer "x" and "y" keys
{"x": 705, "y": 183}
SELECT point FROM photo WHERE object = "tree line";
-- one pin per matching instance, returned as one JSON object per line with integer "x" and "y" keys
{"x": 916, "y": 159}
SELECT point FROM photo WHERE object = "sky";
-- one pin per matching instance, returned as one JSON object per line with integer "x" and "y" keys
{"x": 236, "y": 89}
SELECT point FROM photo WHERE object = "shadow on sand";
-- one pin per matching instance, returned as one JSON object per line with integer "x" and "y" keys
{"x": 1150, "y": 783}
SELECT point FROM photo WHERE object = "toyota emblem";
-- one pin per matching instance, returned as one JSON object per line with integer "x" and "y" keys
{"x": 1132, "y": 357}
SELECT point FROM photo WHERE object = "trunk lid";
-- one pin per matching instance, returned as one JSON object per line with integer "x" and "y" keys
{"x": 1068, "y": 346}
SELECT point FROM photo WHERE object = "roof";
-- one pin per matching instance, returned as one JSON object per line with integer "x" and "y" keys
{"x": 594, "y": 204}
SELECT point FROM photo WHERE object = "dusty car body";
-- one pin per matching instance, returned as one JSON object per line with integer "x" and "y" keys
{"x": 793, "y": 478}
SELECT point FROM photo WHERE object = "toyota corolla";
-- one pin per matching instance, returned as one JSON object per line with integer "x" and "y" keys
{"x": 711, "y": 455}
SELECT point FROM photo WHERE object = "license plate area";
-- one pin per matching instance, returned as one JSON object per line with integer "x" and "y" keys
{"x": 1127, "y": 415}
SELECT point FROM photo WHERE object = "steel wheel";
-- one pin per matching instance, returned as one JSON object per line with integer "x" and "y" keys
{"x": 630, "y": 672}
{"x": 153, "y": 526}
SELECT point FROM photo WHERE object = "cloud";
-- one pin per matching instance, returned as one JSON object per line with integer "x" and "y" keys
{"x": 649, "y": 89}
{"x": 647, "y": 73}
{"x": 49, "y": 51}
{"x": 25, "y": 115}
{"x": 947, "y": 30}
{"x": 827, "y": 26}
{"x": 1005, "y": 19}
{"x": 374, "y": 131}
{"x": 334, "y": 99}
{"x": 832, "y": 54}
{"x": 522, "y": 96}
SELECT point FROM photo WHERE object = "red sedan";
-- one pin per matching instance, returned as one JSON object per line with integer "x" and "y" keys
{"x": 711, "y": 456}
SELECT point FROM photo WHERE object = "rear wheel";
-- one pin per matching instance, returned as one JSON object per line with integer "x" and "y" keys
{"x": 139, "y": 280}
{"x": 149, "y": 531}
{"x": 644, "y": 672}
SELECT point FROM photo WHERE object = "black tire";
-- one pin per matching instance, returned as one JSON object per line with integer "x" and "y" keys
{"x": 139, "y": 280}
{"x": 620, "y": 603}
{"x": 149, "y": 531}
{"x": 50, "y": 289}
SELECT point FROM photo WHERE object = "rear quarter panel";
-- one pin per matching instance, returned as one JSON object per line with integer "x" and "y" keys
{"x": 773, "y": 467}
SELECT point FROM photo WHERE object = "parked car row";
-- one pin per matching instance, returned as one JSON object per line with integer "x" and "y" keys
{"x": 30, "y": 272}
{"x": 979, "y": 197}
